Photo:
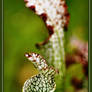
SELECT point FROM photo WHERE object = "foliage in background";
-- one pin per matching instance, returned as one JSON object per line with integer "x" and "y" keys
{"x": 17, "y": 41}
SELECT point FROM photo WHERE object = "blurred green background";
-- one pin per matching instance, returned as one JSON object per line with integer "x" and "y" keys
{"x": 23, "y": 29}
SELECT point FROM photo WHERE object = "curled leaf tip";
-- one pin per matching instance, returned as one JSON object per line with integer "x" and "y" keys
{"x": 42, "y": 82}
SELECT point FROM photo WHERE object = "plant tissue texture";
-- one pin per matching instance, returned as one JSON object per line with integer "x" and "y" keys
{"x": 42, "y": 82}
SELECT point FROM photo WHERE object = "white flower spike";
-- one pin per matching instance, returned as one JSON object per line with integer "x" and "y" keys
{"x": 56, "y": 18}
